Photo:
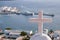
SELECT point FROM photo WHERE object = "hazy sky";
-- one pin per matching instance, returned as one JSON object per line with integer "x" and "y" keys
{"x": 42, "y": 0}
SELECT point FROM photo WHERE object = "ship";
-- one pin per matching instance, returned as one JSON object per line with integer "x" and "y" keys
{"x": 28, "y": 13}
{"x": 52, "y": 15}
{"x": 9, "y": 10}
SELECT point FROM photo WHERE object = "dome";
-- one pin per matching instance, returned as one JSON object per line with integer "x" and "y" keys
{"x": 40, "y": 37}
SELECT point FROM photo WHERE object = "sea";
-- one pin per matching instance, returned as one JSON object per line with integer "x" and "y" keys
{"x": 21, "y": 22}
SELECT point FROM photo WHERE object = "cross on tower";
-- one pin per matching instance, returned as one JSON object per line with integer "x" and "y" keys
{"x": 40, "y": 21}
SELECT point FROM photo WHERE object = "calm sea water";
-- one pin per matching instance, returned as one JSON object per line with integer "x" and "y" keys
{"x": 21, "y": 22}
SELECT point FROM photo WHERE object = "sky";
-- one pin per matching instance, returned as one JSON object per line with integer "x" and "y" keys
{"x": 33, "y": 4}
{"x": 42, "y": 0}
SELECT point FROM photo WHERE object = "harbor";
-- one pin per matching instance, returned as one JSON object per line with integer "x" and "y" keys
{"x": 30, "y": 20}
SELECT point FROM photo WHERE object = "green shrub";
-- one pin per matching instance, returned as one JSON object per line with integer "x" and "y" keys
{"x": 1, "y": 33}
{"x": 23, "y": 33}
{"x": 51, "y": 31}
{"x": 8, "y": 28}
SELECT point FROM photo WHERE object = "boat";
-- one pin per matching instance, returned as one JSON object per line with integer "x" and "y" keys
{"x": 52, "y": 15}
{"x": 28, "y": 13}
{"x": 9, "y": 10}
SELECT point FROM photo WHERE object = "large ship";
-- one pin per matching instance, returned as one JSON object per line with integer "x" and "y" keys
{"x": 13, "y": 10}
{"x": 28, "y": 13}
{"x": 9, "y": 10}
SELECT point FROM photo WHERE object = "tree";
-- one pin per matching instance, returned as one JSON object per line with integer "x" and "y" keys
{"x": 51, "y": 31}
{"x": 8, "y": 28}
{"x": 23, "y": 33}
